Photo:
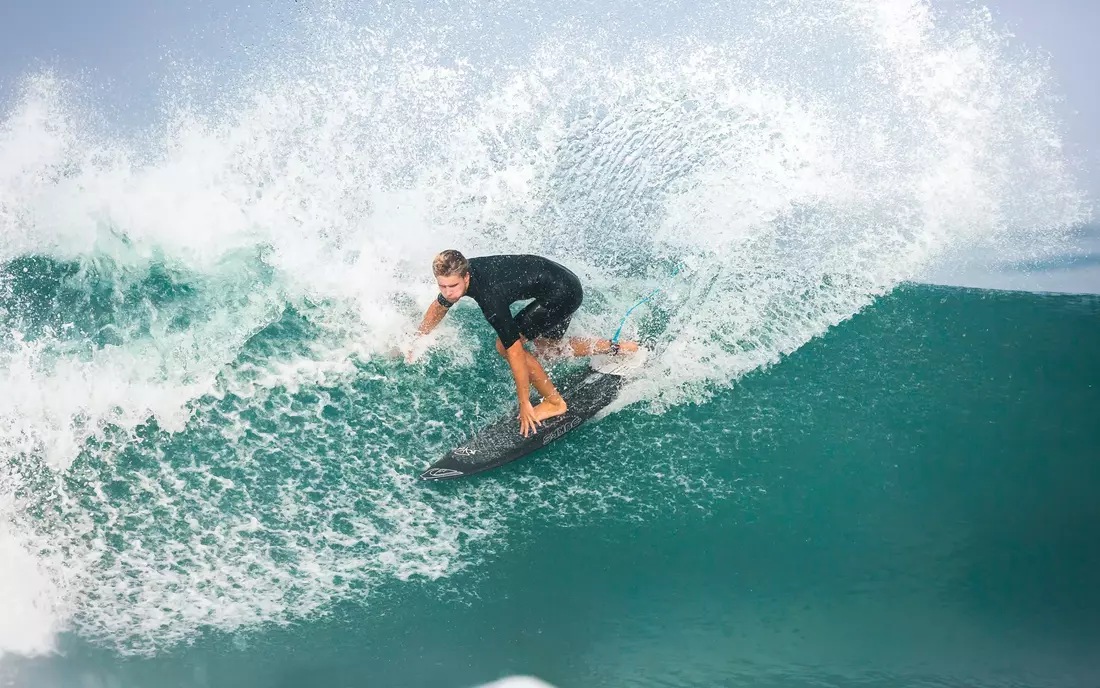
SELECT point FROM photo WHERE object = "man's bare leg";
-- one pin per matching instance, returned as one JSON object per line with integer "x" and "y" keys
{"x": 552, "y": 403}
{"x": 590, "y": 347}
{"x": 579, "y": 347}
{"x": 552, "y": 348}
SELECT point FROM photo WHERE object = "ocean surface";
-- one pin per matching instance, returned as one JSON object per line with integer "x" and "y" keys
{"x": 831, "y": 472}
{"x": 908, "y": 500}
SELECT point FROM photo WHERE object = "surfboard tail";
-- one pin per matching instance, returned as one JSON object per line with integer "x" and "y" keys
{"x": 624, "y": 364}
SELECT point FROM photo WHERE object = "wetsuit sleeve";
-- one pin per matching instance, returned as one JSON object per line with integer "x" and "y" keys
{"x": 443, "y": 302}
{"x": 501, "y": 319}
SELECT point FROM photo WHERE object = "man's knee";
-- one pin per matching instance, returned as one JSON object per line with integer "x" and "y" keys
{"x": 500, "y": 345}
{"x": 549, "y": 348}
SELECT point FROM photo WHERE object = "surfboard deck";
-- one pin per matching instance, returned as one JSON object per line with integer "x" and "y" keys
{"x": 586, "y": 392}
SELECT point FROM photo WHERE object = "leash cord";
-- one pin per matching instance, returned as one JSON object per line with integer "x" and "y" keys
{"x": 615, "y": 339}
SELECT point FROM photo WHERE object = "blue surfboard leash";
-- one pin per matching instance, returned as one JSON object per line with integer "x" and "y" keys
{"x": 615, "y": 338}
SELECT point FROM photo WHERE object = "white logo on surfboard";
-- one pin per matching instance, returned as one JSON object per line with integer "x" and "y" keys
{"x": 441, "y": 473}
{"x": 559, "y": 431}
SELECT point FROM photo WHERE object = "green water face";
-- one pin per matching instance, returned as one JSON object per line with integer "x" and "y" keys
{"x": 908, "y": 500}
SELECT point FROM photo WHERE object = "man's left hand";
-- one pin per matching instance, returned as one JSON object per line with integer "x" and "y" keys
{"x": 527, "y": 422}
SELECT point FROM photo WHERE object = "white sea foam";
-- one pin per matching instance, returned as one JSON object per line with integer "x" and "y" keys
{"x": 34, "y": 609}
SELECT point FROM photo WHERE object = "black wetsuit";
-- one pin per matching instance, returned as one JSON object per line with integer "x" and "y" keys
{"x": 496, "y": 282}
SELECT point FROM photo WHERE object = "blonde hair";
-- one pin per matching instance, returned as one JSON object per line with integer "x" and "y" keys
{"x": 450, "y": 262}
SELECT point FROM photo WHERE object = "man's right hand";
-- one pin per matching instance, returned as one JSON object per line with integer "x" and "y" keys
{"x": 527, "y": 422}
{"x": 432, "y": 317}
{"x": 408, "y": 349}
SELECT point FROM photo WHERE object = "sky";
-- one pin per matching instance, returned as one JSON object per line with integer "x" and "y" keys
{"x": 1067, "y": 30}
{"x": 123, "y": 48}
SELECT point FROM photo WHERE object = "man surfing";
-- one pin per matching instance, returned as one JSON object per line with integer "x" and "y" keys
{"x": 495, "y": 283}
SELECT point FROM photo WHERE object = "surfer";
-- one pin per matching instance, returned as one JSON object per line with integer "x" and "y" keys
{"x": 495, "y": 283}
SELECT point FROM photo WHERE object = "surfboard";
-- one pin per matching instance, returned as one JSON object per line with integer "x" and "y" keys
{"x": 586, "y": 393}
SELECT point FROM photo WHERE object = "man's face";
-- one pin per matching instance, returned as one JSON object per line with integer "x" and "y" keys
{"x": 452, "y": 287}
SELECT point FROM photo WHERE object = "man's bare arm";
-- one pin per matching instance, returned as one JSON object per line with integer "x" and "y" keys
{"x": 435, "y": 314}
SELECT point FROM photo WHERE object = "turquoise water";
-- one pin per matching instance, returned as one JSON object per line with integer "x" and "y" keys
{"x": 827, "y": 473}
{"x": 907, "y": 500}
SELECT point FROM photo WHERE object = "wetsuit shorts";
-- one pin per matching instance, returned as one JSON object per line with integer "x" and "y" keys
{"x": 550, "y": 317}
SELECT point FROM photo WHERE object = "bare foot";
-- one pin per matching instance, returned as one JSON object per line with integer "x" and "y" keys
{"x": 549, "y": 409}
